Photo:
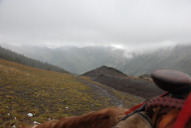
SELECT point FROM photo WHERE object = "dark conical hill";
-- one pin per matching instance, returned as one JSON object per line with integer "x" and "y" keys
{"x": 118, "y": 80}
{"x": 106, "y": 71}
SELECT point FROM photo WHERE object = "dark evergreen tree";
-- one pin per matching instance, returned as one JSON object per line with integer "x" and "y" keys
{"x": 18, "y": 58}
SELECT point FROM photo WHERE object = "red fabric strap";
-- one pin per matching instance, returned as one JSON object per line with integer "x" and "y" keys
{"x": 184, "y": 114}
{"x": 134, "y": 108}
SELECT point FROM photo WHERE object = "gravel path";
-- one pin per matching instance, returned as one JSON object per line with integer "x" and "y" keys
{"x": 103, "y": 92}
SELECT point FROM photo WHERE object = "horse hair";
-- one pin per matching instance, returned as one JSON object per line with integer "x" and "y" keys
{"x": 105, "y": 118}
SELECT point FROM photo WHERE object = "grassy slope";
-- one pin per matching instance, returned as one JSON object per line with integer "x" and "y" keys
{"x": 46, "y": 94}
{"x": 129, "y": 100}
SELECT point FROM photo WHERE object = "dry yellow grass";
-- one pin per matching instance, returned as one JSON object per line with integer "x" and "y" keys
{"x": 28, "y": 94}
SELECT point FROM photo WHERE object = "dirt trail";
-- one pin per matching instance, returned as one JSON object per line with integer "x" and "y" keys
{"x": 114, "y": 100}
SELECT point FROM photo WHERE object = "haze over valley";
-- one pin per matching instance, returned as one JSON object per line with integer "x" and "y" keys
{"x": 79, "y": 60}
{"x": 82, "y": 35}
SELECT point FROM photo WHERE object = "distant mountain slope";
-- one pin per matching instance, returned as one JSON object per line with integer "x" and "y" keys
{"x": 80, "y": 60}
{"x": 177, "y": 58}
{"x": 117, "y": 80}
{"x": 30, "y": 95}
{"x": 12, "y": 56}
{"x": 75, "y": 59}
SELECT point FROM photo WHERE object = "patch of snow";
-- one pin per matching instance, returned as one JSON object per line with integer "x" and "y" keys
{"x": 35, "y": 122}
{"x": 30, "y": 115}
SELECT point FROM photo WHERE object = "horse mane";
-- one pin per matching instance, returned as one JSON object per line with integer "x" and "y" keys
{"x": 108, "y": 118}
{"x": 105, "y": 118}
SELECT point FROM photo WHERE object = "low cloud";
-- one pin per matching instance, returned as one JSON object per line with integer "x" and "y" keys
{"x": 121, "y": 23}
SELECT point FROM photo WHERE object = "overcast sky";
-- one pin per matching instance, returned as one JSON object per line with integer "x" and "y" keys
{"x": 118, "y": 23}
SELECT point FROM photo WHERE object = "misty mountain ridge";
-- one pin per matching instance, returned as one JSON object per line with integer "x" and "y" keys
{"x": 75, "y": 59}
{"x": 176, "y": 58}
{"x": 79, "y": 60}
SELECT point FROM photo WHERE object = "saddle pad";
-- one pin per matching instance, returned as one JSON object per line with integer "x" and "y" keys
{"x": 136, "y": 120}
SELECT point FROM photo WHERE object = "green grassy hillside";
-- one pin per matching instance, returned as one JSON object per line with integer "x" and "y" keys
{"x": 26, "y": 91}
